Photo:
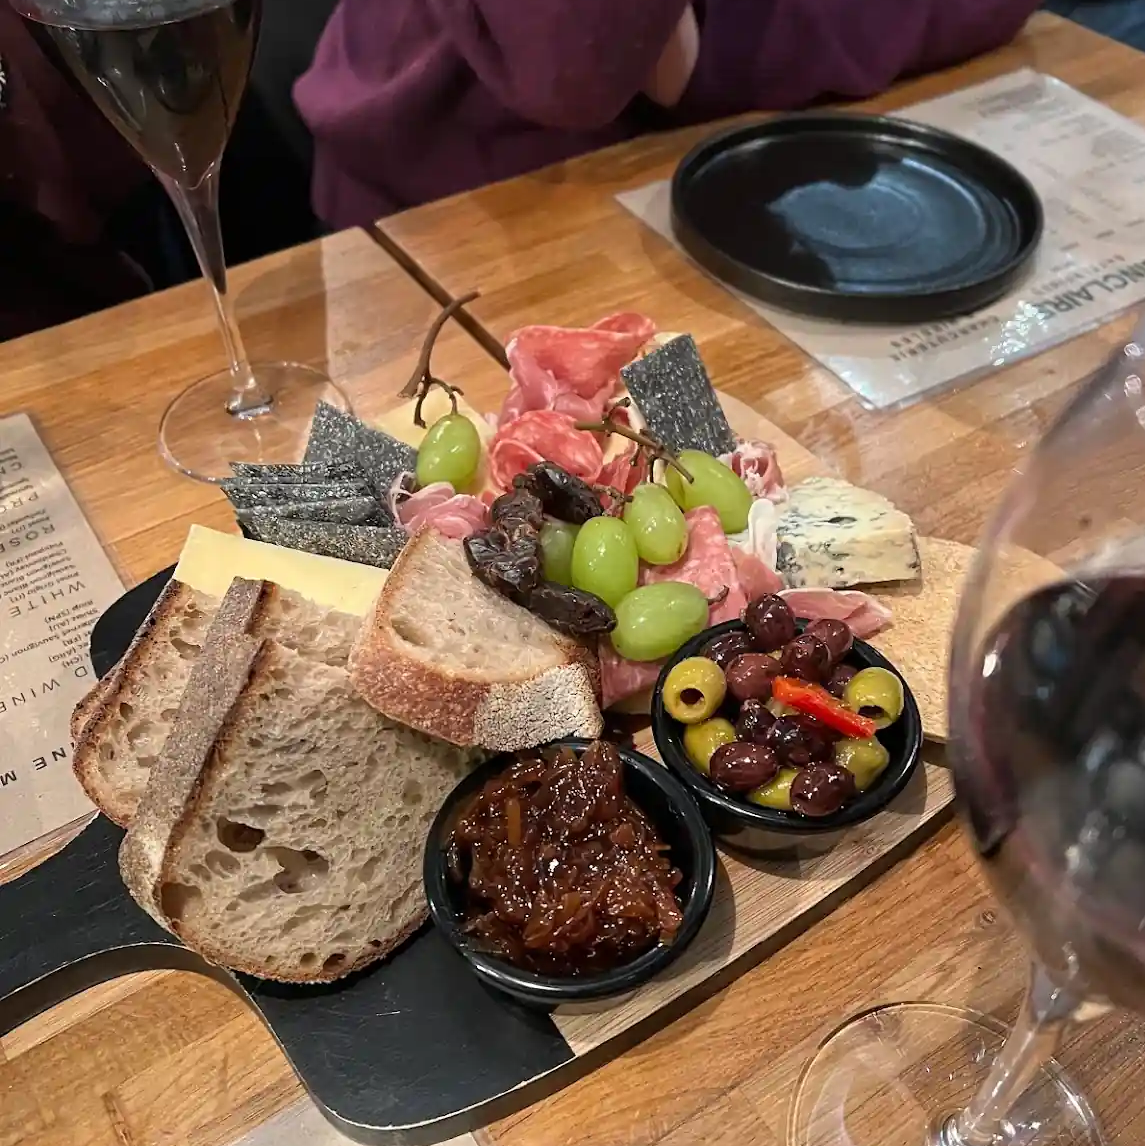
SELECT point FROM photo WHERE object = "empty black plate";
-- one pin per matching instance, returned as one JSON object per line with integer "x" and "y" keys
{"x": 856, "y": 217}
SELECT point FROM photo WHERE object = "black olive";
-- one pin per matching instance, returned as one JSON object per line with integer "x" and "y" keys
{"x": 723, "y": 650}
{"x": 835, "y": 635}
{"x": 754, "y": 720}
{"x": 808, "y": 658}
{"x": 822, "y": 788}
{"x": 837, "y": 681}
{"x": 788, "y": 738}
{"x": 770, "y": 621}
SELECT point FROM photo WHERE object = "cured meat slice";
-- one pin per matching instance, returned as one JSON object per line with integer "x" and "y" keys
{"x": 755, "y": 577}
{"x": 454, "y": 515}
{"x": 620, "y": 679}
{"x": 621, "y": 474}
{"x": 569, "y": 370}
{"x": 756, "y": 462}
{"x": 861, "y": 612}
{"x": 707, "y": 563}
{"x": 543, "y": 435}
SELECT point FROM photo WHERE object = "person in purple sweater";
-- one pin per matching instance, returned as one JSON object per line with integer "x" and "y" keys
{"x": 411, "y": 100}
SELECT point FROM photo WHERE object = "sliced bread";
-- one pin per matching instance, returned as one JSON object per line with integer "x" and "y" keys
{"x": 125, "y": 724}
{"x": 444, "y": 653}
{"x": 283, "y": 829}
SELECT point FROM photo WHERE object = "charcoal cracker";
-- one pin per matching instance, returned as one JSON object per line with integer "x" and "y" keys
{"x": 675, "y": 395}
{"x": 367, "y": 545}
{"x": 383, "y": 457}
{"x": 243, "y": 495}
{"x": 333, "y": 436}
{"x": 348, "y": 511}
{"x": 316, "y": 473}
{"x": 337, "y": 436}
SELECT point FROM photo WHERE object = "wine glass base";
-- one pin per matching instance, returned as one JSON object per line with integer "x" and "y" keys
{"x": 200, "y": 437}
{"x": 897, "y": 1075}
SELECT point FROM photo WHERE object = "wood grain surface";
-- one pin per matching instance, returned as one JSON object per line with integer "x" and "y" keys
{"x": 166, "y": 1059}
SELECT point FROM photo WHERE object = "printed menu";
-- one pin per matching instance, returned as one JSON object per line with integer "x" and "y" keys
{"x": 1087, "y": 163}
{"x": 55, "y": 580}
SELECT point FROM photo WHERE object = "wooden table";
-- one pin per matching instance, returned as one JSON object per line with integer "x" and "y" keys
{"x": 166, "y": 1058}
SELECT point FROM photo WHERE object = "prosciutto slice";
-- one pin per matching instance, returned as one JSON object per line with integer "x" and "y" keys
{"x": 863, "y": 615}
{"x": 540, "y": 435}
{"x": 571, "y": 371}
{"x": 454, "y": 515}
{"x": 756, "y": 462}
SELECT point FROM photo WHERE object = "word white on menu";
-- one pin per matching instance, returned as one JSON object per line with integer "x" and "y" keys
{"x": 55, "y": 580}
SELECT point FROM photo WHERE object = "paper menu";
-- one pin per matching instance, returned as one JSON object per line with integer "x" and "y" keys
{"x": 55, "y": 581}
{"x": 1087, "y": 163}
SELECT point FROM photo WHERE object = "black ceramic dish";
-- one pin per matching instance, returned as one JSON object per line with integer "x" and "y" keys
{"x": 768, "y": 831}
{"x": 856, "y": 218}
{"x": 677, "y": 818}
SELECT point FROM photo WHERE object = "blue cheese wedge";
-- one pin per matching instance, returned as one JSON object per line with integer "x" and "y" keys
{"x": 833, "y": 534}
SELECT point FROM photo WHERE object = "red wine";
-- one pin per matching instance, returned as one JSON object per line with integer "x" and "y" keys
{"x": 169, "y": 74}
{"x": 1054, "y": 787}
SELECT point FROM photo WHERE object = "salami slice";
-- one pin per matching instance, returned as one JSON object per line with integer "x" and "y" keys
{"x": 540, "y": 435}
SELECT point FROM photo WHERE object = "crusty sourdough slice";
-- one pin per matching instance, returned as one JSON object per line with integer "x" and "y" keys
{"x": 89, "y": 705}
{"x": 446, "y": 654}
{"x": 119, "y": 742}
{"x": 283, "y": 829}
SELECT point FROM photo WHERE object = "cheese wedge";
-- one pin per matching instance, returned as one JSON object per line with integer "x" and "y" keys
{"x": 210, "y": 561}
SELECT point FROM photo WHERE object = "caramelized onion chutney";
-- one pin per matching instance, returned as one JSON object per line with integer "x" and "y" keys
{"x": 564, "y": 874}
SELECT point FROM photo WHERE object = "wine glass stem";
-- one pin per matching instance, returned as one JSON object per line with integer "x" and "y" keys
{"x": 1046, "y": 1011}
{"x": 198, "y": 207}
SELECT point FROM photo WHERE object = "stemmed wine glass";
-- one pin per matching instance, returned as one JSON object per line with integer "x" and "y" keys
{"x": 1047, "y": 720}
{"x": 169, "y": 75}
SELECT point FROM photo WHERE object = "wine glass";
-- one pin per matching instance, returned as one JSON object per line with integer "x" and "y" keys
{"x": 1047, "y": 720}
{"x": 169, "y": 75}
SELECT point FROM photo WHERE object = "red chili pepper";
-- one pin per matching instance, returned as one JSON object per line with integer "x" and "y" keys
{"x": 816, "y": 701}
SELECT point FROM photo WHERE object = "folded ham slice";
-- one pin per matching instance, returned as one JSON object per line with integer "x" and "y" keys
{"x": 571, "y": 371}
{"x": 862, "y": 614}
{"x": 454, "y": 515}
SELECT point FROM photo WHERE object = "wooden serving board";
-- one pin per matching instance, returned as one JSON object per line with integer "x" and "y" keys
{"x": 416, "y": 1050}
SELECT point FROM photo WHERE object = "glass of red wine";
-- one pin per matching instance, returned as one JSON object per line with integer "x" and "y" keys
{"x": 1047, "y": 744}
{"x": 169, "y": 75}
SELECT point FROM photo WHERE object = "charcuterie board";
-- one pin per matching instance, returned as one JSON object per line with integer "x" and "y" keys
{"x": 416, "y": 1050}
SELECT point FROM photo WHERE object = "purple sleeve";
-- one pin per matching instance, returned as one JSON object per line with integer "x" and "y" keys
{"x": 560, "y": 63}
{"x": 780, "y": 54}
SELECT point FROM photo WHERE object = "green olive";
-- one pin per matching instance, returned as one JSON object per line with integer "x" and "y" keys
{"x": 701, "y": 740}
{"x": 876, "y": 693}
{"x": 864, "y": 759}
{"x": 776, "y": 793}
{"x": 694, "y": 690}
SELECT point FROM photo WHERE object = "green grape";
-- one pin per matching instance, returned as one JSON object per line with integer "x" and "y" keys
{"x": 655, "y": 620}
{"x": 712, "y": 484}
{"x": 557, "y": 540}
{"x": 450, "y": 451}
{"x": 604, "y": 559}
{"x": 657, "y": 525}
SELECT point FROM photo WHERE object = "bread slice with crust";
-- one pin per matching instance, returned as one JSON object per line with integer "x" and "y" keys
{"x": 126, "y": 720}
{"x": 444, "y": 653}
{"x": 283, "y": 829}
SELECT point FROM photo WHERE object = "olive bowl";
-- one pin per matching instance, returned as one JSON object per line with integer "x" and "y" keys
{"x": 676, "y": 816}
{"x": 770, "y": 832}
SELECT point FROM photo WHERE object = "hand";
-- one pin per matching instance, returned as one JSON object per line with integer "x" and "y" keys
{"x": 669, "y": 78}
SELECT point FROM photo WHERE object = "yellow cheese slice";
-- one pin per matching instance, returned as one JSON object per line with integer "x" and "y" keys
{"x": 210, "y": 561}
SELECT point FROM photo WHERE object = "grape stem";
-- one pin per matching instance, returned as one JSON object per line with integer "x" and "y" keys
{"x": 422, "y": 380}
{"x": 656, "y": 448}
{"x": 618, "y": 498}
{"x": 719, "y": 597}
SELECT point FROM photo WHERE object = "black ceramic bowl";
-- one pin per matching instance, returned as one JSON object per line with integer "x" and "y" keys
{"x": 767, "y": 831}
{"x": 677, "y": 818}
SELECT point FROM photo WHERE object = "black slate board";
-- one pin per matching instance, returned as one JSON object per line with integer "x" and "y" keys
{"x": 414, "y": 1050}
